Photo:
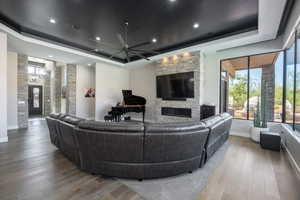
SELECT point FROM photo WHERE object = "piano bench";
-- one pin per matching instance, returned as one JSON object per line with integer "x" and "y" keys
{"x": 108, "y": 118}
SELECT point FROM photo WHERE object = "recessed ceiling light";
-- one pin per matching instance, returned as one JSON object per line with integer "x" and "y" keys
{"x": 98, "y": 38}
{"x": 52, "y": 21}
{"x": 96, "y": 50}
{"x": 196, "y": 25}
{"x": 154, "y": 40}
{"x": 50, "y": 56}
{"x": 187, "y": 54}
{"x": 172, "y": 0}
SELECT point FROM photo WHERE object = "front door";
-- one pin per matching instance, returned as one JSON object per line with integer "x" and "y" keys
{"x": 35, "y": 99}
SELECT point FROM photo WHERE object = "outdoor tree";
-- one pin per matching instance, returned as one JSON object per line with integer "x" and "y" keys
{"x": 238, "y": 90}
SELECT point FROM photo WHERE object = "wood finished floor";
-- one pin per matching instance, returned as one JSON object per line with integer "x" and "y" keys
{"x": 250, "y": 173}
{"x": 31, "y": 168}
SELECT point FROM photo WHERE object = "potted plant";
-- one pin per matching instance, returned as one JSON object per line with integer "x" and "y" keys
{"x": 260, "y": 119}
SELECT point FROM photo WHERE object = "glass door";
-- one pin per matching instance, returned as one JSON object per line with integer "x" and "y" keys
{"x": 35, "y": 100}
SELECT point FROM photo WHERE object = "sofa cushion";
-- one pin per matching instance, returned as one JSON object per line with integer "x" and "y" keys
{"x": 112, "y": 126}
{"x": 225, "y": 116}
{"x": 54, "y": 115}
{"x": 72, "y": 120}
{"x": 211, "y": 121}
{"x": 174, "y": 126}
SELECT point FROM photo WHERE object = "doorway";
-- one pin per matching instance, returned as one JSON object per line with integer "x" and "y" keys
{"x": 35, "y": 100}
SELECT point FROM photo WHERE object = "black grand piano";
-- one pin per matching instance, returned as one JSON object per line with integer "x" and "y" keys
{"x": 131, "y": 103}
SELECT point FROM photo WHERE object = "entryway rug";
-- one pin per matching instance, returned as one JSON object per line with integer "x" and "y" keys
{"x": 183, "y": 187}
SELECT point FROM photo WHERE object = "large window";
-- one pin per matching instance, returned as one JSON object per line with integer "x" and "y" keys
{"x": 278, "y": 93}
{"x": 235, "y": 75}
{"x": 247, "y": 77}
{"x": 275, "y": 75}
{"x": 290, "y": 72}
{"x": 297, "y": 86}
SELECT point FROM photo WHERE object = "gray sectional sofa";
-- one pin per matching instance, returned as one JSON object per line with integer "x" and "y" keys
{"x": 135, "y": 149}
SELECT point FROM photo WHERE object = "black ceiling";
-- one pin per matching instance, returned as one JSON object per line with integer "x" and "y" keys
{"x": 80, "y": 21}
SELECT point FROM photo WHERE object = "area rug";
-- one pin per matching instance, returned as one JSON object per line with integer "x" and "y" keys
{"x": 183, "y": 187}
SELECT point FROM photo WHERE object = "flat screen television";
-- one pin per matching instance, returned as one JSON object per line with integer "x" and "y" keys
{"x": 175, "y": 86}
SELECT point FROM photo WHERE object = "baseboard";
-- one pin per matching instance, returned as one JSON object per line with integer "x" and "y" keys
{"x": 292, "y": 161}
{"x": 3, "y": 139}
{"x": 12, "y": 128}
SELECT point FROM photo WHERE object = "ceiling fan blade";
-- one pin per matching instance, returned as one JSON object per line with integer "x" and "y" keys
{"x": 115, "y": 54}
{"x": 139, "y": 45}
{"x": 139, "y": 55}
{"x": 127, "y": 56}
{"x": 122, "y": 41}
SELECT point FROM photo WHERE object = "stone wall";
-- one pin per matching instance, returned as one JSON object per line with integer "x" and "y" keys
{"x": 179, "y": 65}
{"x": 22, "y": 91}
{"x": 57, "y": 87}
{"x": 47, "y": 93}
{"x": 71, "y": 89}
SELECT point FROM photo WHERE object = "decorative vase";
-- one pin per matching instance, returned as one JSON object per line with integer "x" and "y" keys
{"x": 255, "y": 133}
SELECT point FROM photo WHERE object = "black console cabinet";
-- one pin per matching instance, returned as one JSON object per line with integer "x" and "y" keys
{"x": 207, "y": 111}
{"x": 270, "y": 140}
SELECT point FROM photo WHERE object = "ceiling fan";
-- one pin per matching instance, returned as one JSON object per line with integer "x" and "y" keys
{"x": 131, "y": 50}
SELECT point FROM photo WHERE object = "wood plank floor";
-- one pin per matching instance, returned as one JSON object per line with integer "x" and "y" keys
{"x": 250, "y": 173}
{"x": 31, "y": 168}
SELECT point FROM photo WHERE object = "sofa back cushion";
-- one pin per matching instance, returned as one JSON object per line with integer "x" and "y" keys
{"x": 216, "y": 126}
{"x": 172, "y": 127}
{"x": 71, "y": 119}
{"x": 174, "y": 141}
{"x": 53, "y": 130}
{"x": 54, "y": 115}
{"x": 227, "y": 118}
{"x": 112, "y": 126}
{"x": 114, "y": 142}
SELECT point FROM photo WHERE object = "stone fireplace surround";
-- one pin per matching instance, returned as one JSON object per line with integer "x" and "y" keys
{"x": 144, "y": 84}
{"x": 180, "y": 64}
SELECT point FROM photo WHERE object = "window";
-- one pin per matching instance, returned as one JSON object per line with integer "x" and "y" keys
{"x": 246, "y": 77}
{"x": 278, "y": 93}
{"x": 235, "y": 75}
{"x": 289, "y": 92}
{"x": 36, "y": 68}
{"x": 297, "y": 92}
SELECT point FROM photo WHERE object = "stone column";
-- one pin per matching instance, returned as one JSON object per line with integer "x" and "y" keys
{"x": 268, "y": 77}
{"x": 71, "y": 89}
{"x": 57, "y": 87}
{"x": 22, "y": 91}
{"x": 3, "y": 87}
{"x": 47, "y": 93}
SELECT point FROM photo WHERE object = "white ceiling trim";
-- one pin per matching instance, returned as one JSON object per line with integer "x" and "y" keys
{"x": 15, "y": 35}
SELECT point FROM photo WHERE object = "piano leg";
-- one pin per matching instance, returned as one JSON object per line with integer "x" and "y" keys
{"x": 143, "y": 115}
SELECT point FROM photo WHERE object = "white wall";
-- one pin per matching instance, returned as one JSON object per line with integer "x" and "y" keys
{"x": 211, "y": 79}
{"x": 12, "y": 103}
{"x": 3, "y": 88}
{"x": 85, "y": 107}
{"x": 110, "y": 81}
{"x": 143, "y": 83}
